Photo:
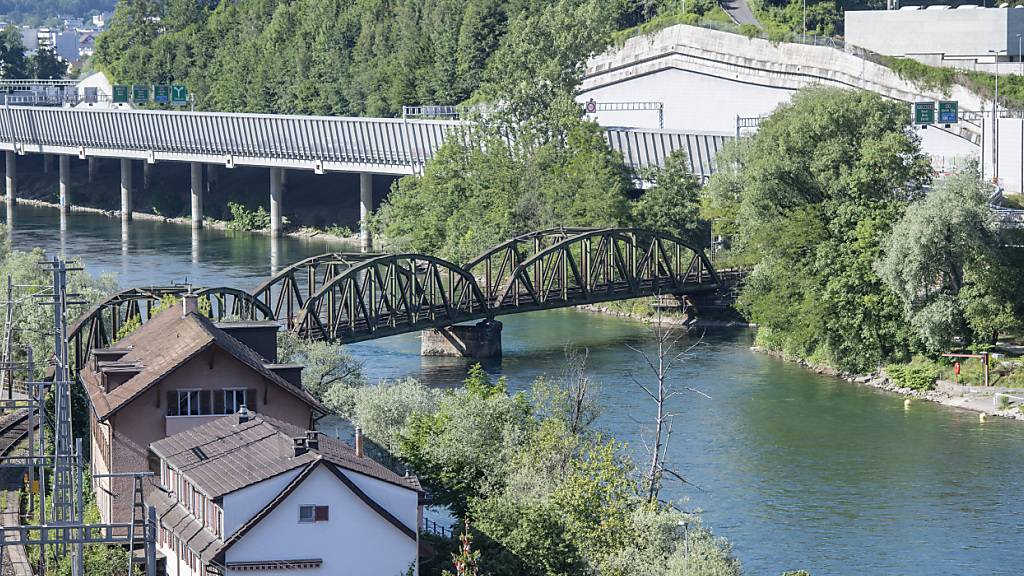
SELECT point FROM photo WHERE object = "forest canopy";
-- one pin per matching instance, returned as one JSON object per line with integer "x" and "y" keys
{"x": 339, "y": 57}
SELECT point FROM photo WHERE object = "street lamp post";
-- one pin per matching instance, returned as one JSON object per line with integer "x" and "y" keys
{"x": 995, "y": 122}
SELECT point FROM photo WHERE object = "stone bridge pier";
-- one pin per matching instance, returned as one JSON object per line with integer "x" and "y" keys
{"x": 481, "y": 340}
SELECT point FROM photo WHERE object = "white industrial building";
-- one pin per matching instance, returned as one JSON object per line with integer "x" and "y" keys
{"x": 250, "y": 494}
{"x": 966, "y": 36}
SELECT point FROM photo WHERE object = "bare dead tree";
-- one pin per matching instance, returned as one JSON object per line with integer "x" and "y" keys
{"x": 581, "y": 408}
{"x": 671, "y": 354}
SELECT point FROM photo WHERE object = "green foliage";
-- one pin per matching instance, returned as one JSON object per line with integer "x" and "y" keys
{"x": 478, "y": 383}
{"x": 946, "y": 263}
{"x": 244, "y": 219}
{"x": 544, "y": 499}
{"x": 383, "y": 411}
{"x": 672, "y": 204}
{"x": 920, "y": 374}
{"x": 46, "y": 64}
{"x": 810, "y": 199}
{"x": 460, "y": 449}
{"x": 329, "y": 373}
{"x": 365, "y": 57}
{"x": 1011, "y": 86}
{"x": 13, "y": 63}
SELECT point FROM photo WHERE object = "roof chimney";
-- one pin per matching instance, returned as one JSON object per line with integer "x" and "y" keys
{"x": 243, "y": 414}
{"x": 359, "y": 442}
{"x": 189, "y": 304}
{"x": 313, "y": 439}
{"x": 299, "y": 446}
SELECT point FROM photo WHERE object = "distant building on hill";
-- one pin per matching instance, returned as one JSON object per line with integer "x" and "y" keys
{"x": 966, "y": 36}
{"x": 250, "y": 494}
{"x": 177, "y": 371}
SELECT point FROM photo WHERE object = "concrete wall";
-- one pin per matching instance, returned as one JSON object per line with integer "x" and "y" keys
{"x": 355, "y": 539}
{"x": 955, "y": 32}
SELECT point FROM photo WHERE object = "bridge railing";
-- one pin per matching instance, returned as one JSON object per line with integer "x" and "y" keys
{"x": 330, "y": 139}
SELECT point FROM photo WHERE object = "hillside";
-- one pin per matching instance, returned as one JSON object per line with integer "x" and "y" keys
{"x": 362, "y": 57}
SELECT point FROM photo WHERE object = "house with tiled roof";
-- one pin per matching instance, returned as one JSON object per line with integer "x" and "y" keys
{"x": 177, "y": 371}
{"x": 250, "y": 494}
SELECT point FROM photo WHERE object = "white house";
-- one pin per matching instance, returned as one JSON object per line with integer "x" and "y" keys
{"x": 250, "y": 494}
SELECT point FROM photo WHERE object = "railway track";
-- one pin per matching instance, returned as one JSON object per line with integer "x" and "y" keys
{"x": 13, "y": 429}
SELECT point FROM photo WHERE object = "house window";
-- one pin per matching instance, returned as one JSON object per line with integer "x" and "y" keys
{"x": 309, "y": 513}
{"x": 188, "y": 403}
{"x": 234, "y": 398}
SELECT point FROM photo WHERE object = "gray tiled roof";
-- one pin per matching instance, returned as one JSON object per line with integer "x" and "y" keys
{"x": 165, "y": 343}
{"x": 222, "y": 456}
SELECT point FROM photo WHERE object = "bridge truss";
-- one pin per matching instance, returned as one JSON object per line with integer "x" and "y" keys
{"x": 354, "y": 297}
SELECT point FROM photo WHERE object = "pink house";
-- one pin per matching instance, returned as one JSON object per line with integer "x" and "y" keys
{"x": 176, "y": 372}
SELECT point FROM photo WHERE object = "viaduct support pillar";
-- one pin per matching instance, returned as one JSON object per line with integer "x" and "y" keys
{"x": 147, "y": 175}
{"x": 481, "y": 340}
{"x": 47, "y": 163}
{"x": 276, "y": 183}
{"x": 197, "y": 195}
{"x": 11, "y": 178}
{"x": 93, "y": 166}
{"x": 65, "y": 183}
{"x": 126, "y": 190}
{"x": 365, "y": 209}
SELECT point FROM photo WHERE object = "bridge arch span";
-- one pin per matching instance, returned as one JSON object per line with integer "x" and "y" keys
{"x": 98, "y": 327}
{"x": 602, "y": 265}
{"x": 391, "y": 294}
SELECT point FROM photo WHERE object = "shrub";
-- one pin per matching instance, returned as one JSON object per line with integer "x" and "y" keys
{"x": 919, "y": 374}
{"x": 247, "y": 220}
{"x": 750, "y": 30}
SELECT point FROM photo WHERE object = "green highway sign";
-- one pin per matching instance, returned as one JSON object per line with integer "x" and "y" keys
{"x": 949, "y": 112}
{"x": 161, "y": 94}
{"x": 179, "y": 95}
{"x": 140, "y": 93}
{"x": 924, "y": 112}
{"x": 120, "y": 94}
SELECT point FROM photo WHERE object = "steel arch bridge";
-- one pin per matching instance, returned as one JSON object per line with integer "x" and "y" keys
{"x": 350, "y": 297}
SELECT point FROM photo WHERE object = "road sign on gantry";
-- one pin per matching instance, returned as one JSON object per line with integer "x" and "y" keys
{"x": 161, "y": 94}
{"x": 924, "y": 113}
{"x": 120, "y": 95}
{"x": 179, "y": 95}
{"x": 949, "y": 112}
{"x": 140, "y": 94}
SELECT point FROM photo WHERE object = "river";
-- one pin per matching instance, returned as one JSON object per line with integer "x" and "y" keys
{"x": 799, "y": 471}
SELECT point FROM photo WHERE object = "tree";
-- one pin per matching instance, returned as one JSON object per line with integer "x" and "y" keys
{"x": 672, "y": 204}
{"x": 46, "y": 64}
{"x": 940, "y": 261}
{"x": 13, "y": 64}
{"x": 329, "y": 373}
{"x": 811, "y": 197}
{"x": 480, "y": 190}
{"x": 670, "y": 355}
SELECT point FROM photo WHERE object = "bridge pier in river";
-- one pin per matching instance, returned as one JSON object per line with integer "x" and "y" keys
{"x": 365, "y": 209}
{"x": 480, "y": 340}
{"x": 11, "y": 178}
{"x": 126, "y": 190}
{"x": 65, "y": 182}
{"x": 196, "y": 177}
{"x": 276, "y": 193}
